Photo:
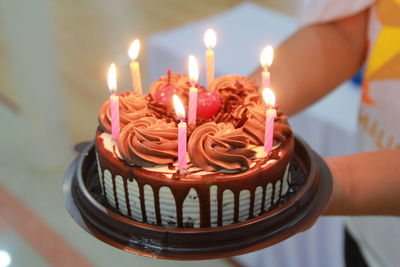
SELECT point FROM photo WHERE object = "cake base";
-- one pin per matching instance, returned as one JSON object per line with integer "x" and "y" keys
{"x": 83, "y": 200}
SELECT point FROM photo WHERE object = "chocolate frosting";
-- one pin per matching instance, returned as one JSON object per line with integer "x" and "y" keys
{"x": 219, "y": 146}
{"x": 232, "y": 89}
{"x": 148, "y": 142}
{"x": 132, "y": 106}
{"x": 251, "y": 117}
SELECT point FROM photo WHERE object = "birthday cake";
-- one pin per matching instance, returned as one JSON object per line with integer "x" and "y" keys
{"x": 229, "y": 176}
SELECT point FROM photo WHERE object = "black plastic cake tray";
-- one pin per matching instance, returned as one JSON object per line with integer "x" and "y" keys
{"x": 270, "y": 228}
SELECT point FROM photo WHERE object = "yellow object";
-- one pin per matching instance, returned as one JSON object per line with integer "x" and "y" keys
{"x": 384, "y": 60}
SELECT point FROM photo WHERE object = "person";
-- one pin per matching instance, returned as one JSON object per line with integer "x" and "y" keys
{"x": 339, "y": 38}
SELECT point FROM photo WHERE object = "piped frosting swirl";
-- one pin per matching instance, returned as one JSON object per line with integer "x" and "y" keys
{"x": 148, "y": 142}
{"x": 232, "y": 89}
{"x": 213, "y": 147}
{"x": 251, "y": 117}
{"x": 132, "y": 106}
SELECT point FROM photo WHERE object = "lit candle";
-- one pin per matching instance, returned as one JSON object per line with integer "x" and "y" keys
{"x": 133, "y": 53}
{"x": 210, "y": 40}
{"x": 193, "y": 77}
{"x": 180, "y": 114}
{"x": 269, "y": 98}
{"x": 266, "y": 58}
{"x": 114, "y": 101}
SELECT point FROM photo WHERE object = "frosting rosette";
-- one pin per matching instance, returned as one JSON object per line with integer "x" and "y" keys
{"x": 132, "y": 106}
{"x": 213, "y": 147}
{"x": 232, "y": 89}
{"x": 148, "y": 141}
{"x": 251, "y": 117}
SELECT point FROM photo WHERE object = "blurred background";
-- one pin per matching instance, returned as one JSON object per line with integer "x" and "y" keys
{"x": 53, "y": 64}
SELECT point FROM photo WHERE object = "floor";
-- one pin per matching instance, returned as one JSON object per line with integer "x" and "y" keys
{"x": 75, "y": 41}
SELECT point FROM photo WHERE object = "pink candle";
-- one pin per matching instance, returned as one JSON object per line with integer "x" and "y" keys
{"x": 114, "y": 108}
{"x": 269, "y": 129}
{"x": 182, "y": 164}
{"x": 269, "y": 98}
{"x": 193, "y": 77}
{"x": 182, "y": 129}
{"x": 114, "y": 101}
{"x": 266, "y": 78}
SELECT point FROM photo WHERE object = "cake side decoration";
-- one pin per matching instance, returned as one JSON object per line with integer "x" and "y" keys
{"x": 232, "y": 89}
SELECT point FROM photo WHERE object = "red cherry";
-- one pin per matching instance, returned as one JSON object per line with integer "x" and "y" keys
{"x": 164, "y": 95}
{"x": 208, "y": 104}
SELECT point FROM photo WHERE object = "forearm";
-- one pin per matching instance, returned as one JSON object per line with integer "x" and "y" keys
{"x": 315, "y": 60}
{"x": 365, "y": 184}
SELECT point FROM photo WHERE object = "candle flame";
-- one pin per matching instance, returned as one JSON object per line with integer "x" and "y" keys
{"x": 112, "y": 78}
{"x": 269, "y": 97}
{"x": 210, "y": 38}
{"x": 133, "y": 51}
{"x": 193, "y": 70}
{"x": 179, "y": 109}
{"x": 267, "y": 56}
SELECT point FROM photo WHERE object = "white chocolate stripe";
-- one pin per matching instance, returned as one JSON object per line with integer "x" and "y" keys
{"x": 191, "y": 209}
{"x": 167, "y": 207}
{"x": 214, "y": 205}
{"x": 108, "y": 188}
{"x": 268, "y": 196}
{"x": 134, "y": 200}
{"x": 277, "y": 191}
{"x": 228, "y": 203}
{"x": 149, "y": 204}
{"x": 257, "y": 201}
{"x": 285, "y": 183}
{"x": 119, "y": 183}
{"x": 244, "y": 205}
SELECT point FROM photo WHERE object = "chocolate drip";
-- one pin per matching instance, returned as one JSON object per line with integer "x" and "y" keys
{"x": 252, "y": 200}
{"x": 236, "y": 196}
{"x": 280, "y": 188}
{"x": 128, "y": 206}
{"x": 205, "y": 204}
{"x": 219, "y": 203}
{"x": 264, "y": 196}
{"x": 115, "y": 191}
{"x": 142, "y": 203}
{"x": 273, "y": 195}
{"x": 156, "y": 191}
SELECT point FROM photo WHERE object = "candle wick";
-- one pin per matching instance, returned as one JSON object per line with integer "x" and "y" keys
{"x": 169, "y": 76}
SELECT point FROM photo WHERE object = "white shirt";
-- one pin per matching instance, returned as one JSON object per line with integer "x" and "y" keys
{"x": 379, "y": 124}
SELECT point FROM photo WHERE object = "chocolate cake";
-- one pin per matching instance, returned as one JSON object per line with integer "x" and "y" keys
{"x": 229, "y": 178}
